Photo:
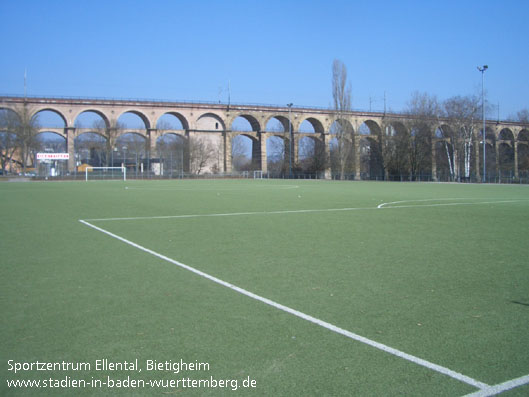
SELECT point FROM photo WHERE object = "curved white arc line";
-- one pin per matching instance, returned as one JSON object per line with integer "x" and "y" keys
{"x": 383, "y": 205}
{"x": 452, "y": 204}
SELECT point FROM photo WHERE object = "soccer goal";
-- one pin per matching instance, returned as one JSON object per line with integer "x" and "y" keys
{"x": 258, "y": 175}
{"x": 105, "y": 173}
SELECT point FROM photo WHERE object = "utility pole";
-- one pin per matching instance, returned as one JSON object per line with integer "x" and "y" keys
{"x": 290, "y": 139}
{"x": 482, "y": 70}
{"x": 229, "y": 94}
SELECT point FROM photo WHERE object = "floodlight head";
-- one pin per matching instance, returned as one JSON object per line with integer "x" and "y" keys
{"x": 485, "y": 67}
{"x": 289, "y": 105}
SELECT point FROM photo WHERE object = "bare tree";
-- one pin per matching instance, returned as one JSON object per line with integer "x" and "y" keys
{"x": 110, "y": 132}
{"x": 276, "y": 155}
{"x": 26, "y": 130}
{"x": 394, "y": 145}
{"x": 135, "y": 145}
{"x": 464, "y": 118}
{"x": 311, "y": 155}
{"x": 9, "y": 122}
{"x": 341, "y": 94}
{"x": 423, "y": 112}
{"x": 523, "y": 116}
{"x": 91, "y": 148}
{"x": 201, "y": 154}
{"x": 171, "y": 149}
{"x": 239, "y": 159}
{"x": 277, "y": 148}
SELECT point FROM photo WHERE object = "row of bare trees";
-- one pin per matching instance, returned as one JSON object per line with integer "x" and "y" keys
{"x": 403, "y": 147}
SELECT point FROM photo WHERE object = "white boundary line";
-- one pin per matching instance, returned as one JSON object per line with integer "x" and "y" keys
{"x": 211, "y": 188}
{"x": 500, "y": 387}
{"x": 383, "y": 205}
{"x": 419, "y": 361}
{"x": 420, "y": 201}
{"x": 229, "y": 214}
{"x": 380, "y": 206}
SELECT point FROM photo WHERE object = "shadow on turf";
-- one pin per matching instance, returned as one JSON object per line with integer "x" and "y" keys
{"x": 520, "y": 303}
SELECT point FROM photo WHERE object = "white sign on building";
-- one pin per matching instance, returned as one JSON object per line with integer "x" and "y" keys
{"x": 53, "y": 156}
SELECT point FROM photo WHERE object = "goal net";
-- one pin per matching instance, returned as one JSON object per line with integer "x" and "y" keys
{"x": 258, "y": 175}
{"x": 105, "y": 173}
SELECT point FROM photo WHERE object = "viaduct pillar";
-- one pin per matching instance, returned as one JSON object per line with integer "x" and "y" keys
{"x": 295, "y": 148}
{"x": 152, "y": 136}
{"x": 434, "y": 160}
{"x": 228, "y": 137}
{"x": 325, "y": 138}
{"x": 263, "y": 159}
{"x": 70, "y": 147}
{"x": 516, "y": 159}
{"x": 357, "y": 153}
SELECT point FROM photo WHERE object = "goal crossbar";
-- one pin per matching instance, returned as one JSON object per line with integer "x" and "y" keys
{"x": 106, "y": 172}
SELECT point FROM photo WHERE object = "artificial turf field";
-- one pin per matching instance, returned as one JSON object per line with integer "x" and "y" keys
{"x": 435, "y": 277}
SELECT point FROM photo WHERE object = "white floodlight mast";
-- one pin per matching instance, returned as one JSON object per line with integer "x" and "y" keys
{"x": 482, "y": 70}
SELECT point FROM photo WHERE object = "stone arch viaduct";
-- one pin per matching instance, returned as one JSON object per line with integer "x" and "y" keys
{"x": 215, "y": 120}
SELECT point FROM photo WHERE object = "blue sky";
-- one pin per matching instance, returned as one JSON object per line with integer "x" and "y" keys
{"x": 271, "y": 52}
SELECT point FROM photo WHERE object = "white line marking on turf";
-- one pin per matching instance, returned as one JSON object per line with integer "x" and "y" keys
{"x": 299, "y": 211}
{"x": 501, "y": 387}
{"x": 211, "y": 188}
{"x": 443, "y": 370}
{"x": 383, "y": 205}
{"x": 230, "y": 214}
{"x": 419, "y": 201}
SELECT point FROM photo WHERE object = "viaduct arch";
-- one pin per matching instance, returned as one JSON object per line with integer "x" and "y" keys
{"x": 215, "y": 121}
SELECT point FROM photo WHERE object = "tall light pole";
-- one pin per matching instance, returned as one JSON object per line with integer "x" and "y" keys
{"x": 290, "y": 139}
{"x": 482, "y": 70}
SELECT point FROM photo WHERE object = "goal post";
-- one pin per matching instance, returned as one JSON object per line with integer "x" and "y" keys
{"x": 258, "y": 174}
{"x": 105, "y": 173}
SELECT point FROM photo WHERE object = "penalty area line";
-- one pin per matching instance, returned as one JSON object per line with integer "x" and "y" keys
{"x": 416, "y": 360}
{"x": 307, "y": 211}
{"x": 385, "y": 206}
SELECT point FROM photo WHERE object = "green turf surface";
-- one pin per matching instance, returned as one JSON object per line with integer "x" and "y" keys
{"x": 445, "y": 278}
